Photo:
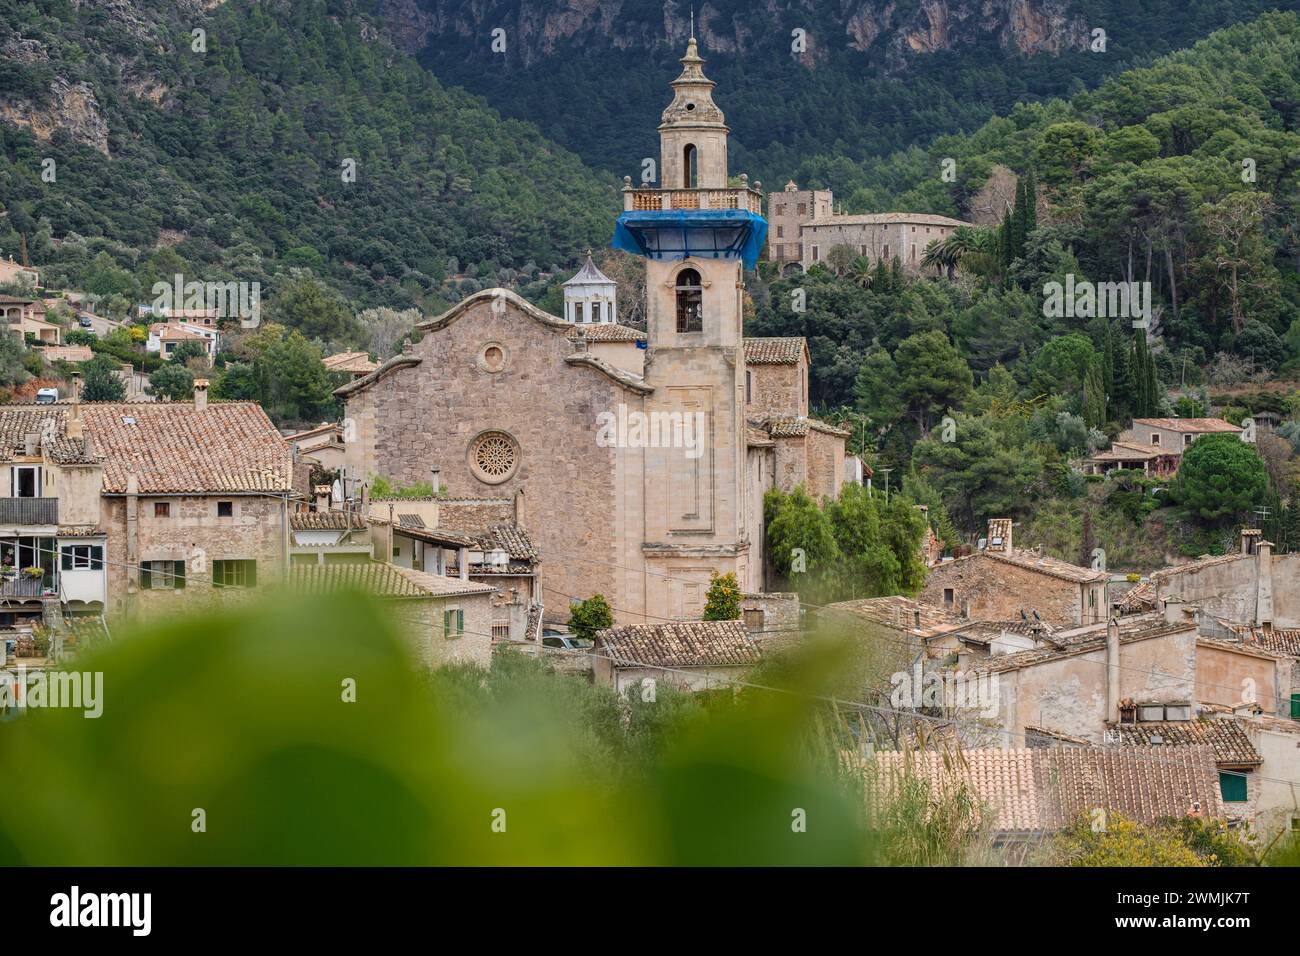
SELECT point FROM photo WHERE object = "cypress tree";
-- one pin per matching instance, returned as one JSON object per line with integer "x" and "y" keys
{"x": 1094, "y": 394}
{"x": 1031, "y": 202}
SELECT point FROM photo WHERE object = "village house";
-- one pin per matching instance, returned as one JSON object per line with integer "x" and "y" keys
{"x": 321, "y": 446}
{"x": 632, "y": 447}
{"x": 25, "y": 318}
{"x": 1000, "y": 582}
{"x": 15, "y": 273}
{"x": 52, "y": 545}
{"x": 355, "y": 364}
{"x": 1153, "y": 461}
{"x": 1175, "y": 435}
{"x": 481, "y": 540}
{"x": 165, "y": 337}
{"x": 194, "y": 501}
{"x": 446, "y": 619}
{"x": 1238, "y": 587}
{"x": 692, "y": 656}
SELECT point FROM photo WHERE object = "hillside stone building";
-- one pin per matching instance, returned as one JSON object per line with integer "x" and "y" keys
{"x": 643, "y": 455}
{"x": 805, "y": 228}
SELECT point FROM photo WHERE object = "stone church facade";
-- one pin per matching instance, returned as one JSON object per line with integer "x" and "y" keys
{"x": 642, "y": 456}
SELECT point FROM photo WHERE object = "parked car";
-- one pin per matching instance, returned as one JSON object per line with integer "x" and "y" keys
{"x": 554, "y": 637}
{"x": 84, "y": 322}
{"x": 47, "y": 396}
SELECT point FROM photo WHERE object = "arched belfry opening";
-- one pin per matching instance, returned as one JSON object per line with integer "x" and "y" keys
{"x": 690, "y": 301}
{"x": 690, "y": 167}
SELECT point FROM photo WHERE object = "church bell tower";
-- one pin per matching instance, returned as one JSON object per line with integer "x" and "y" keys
{"x": 698, "y": 233}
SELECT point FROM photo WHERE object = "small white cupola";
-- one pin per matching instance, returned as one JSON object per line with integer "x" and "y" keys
{"x": 589, "y": 297}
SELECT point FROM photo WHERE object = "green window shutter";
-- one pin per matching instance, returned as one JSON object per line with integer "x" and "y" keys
{"x": 97, "y": 557}
{"x": 146, "y": 579}
{"x": 446, "y": 624}
{"x": 1232, "y": 786}
{"x": 65, "y": 559}
{"x": 460, "y": 623}
{"x": 178, "y": 574}
{"x": 252, "y": 574}
{"x": 1295, "y": 706}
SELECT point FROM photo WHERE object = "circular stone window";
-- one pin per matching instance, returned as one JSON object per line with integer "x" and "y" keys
{"x": 492, "y": 357}
{"x": 493, "y": 457}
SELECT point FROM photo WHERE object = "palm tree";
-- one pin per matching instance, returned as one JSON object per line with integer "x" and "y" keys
{"x": 860, "y": 272}
{"x": 976, "y": 249}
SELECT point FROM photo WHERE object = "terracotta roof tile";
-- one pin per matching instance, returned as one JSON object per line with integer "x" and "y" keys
{"x": 325, "y": 521}
{"x": 1226, "y": 737}
{"x": 1279, "y": 640}
{"x": 774, "y": 351}
{"x": 19, "y": 421}
{"x": 381, "y": 580}
{"x": 1047, "y": 788}
{"x": 680, "y": 644}
{"x": 800, "y": 426}
{"x": 176, "y": 448}
{"x": 606, "y": 332}
{"x": 357, "y": 363}
{"x": 1196, "y": 425}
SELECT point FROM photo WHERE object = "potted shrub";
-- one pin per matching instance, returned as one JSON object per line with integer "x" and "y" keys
{"x": 34, "y": 573}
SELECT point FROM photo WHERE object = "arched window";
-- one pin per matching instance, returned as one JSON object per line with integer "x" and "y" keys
{"x": 690, "y": 302}
{"x": 690, "y": 175}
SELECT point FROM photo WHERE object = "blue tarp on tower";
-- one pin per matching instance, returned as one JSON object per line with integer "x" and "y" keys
{"x": 681, "y": 233}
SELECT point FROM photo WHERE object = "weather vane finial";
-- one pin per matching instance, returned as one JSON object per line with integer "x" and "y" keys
{"x": 692, "y": 21}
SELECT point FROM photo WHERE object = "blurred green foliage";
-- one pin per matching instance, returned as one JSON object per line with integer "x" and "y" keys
{"x": 241, "y": 713}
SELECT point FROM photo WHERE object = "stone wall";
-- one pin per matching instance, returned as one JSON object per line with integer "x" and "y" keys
{"x": 427, "y": 415}
{"x": 192, "y": 528}
{"x": 422, "y": 622}
{"x": 774, "y": 390}
{"x": 996, "y": 591}
{"x": 825, "y": 457}
{"x": 1228, "y": 676}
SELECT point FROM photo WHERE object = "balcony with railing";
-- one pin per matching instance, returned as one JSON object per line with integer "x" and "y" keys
{"x": 21, "y": 586}
{"x": 746, "y": 197}
{"x": 29, "y": 511}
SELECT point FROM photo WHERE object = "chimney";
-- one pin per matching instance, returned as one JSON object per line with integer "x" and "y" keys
{"x": 1112, "y": 670}
{"x": 435, "y": 479}
{"x": 999, "y": 535}
{"x": 1264, "y": 583}
{"x": 519, "y": 507}
{"x": 32, "y": 444}
{"x": 200, "y": 393}
{"x": 73, "y": 427}
{"x": 1250, "y": 537}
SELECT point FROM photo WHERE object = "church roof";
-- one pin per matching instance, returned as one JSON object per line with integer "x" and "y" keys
{"x": 626, "y": 379}
{"x": 607, "y": 332}
{"x": 589, "y": 275}
{"x": 774, "y": 351}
